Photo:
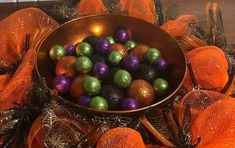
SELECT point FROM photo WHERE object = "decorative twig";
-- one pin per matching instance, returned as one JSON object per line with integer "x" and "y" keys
{"x": 192, "y": 76}
{"x": 159, "y": 12}
{"x": 155, "y": 133}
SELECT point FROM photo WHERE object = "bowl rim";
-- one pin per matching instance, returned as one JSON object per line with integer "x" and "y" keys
{"x": 146, "y": 108}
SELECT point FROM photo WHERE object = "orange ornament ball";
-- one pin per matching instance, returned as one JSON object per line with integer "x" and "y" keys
{"x": 76, "y": 89}
{"x": 120, "y": 48}
{"x": 65, "y": 66}
{"x": 142, "y": 91}
{"x": 140, "y": 50}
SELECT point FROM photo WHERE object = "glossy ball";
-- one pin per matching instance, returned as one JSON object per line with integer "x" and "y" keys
{"x": 83, "y": 64}
{"x": 84, "y": 100}
{"x": 61, "y": 83}
{"x": 113, "y": 95}
{"x": 142, "y": 91}
{"x": 152, "y": 55}
{"x": 91, "y": 85}
{"x": 130, "y": 44}
{"x": 103, "y": 46}
{"x": 129, "y": 104}
{"x": 92, "y": 40}
{"x": 115, "y": 58}
{"x": 161, "y": 65}
{"x": 100, "y": 70}
{"x": 84, "y": 49}
{"x": 161, "y": 86}
{"x": 121, "y": 35}
{"x": 139, "y": 51}
{"x": 130, "y": 62}
{"x": 122, "y": 78}
{"x": 76, "y": 89}
{"x": 120, "y": 48}
{"x": 98, "y": 58}
{"x": 110, "y": 39}
{"x": 99, "y": 103}
{"x": 57, "y": 52}
{"x": 70, "y": 49}
{"x": 65, "y": 66}
{"x": 146, "y": 72}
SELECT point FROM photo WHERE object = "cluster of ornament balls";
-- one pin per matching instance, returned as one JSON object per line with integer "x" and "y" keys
{"x": 112, "y": 73}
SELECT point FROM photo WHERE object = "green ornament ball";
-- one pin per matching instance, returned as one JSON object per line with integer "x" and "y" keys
{"x": 99, "y": 103}
{"x": 122, "y": 78}
{"x": 84, "y": 49}
{"x": 110, "y": 39}
{"x": 115, "y": 57}
{"x": 130, "y": 44}
{"x": 92, "y": 85}
{"x": 152, "y": 55}
{"x": 161, "y": 86}
{"x": 83, "y": 64}
{"x": 57, "y": 52}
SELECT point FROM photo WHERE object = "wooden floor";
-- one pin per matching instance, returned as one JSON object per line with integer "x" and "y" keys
{"x": 196, "y": 7}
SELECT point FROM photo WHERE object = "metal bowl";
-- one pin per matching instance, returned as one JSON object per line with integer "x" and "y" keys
{"x": 102, "y": 26}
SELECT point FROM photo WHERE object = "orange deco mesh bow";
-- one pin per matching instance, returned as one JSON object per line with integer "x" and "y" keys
{"x": 13, "y": 30}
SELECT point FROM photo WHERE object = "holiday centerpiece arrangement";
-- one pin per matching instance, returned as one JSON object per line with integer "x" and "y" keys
{"x": 129, "y": 79}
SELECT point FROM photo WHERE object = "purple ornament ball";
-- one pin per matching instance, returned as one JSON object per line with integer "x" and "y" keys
{"x": 130, "y": 62}
{"x": 161, "y": 65}
{"x": 121, "y": 35}
{"x": 83, "y": 100}
{"x": 103, "y": 46}
{"x": 70, "y": 49}
{"x": 129, "y": 104}
{"x": 61, "y": 83}
{"x": 101, "y": 70}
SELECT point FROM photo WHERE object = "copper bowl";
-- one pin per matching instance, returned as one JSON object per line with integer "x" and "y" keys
{"x": 143, "y": 32}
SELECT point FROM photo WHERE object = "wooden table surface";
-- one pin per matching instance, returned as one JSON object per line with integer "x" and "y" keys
{"x": 196, "y": 7}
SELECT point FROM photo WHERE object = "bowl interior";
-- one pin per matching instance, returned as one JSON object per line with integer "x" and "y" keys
{"x": 75, "y": 31}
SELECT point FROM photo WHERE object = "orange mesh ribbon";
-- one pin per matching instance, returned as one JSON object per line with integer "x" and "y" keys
{"x": 198, "y": 100}
{"x": 13, "y": 30}
{"x": 179, "y": 26}
{"x": 216, "y": 125}
{"x": 91, "y": 7}
{"x": 121, "y": 137}
{"x": 142, "y": 9}
{"x": 15, "y": 90}
{"x": 209, "y": 66}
